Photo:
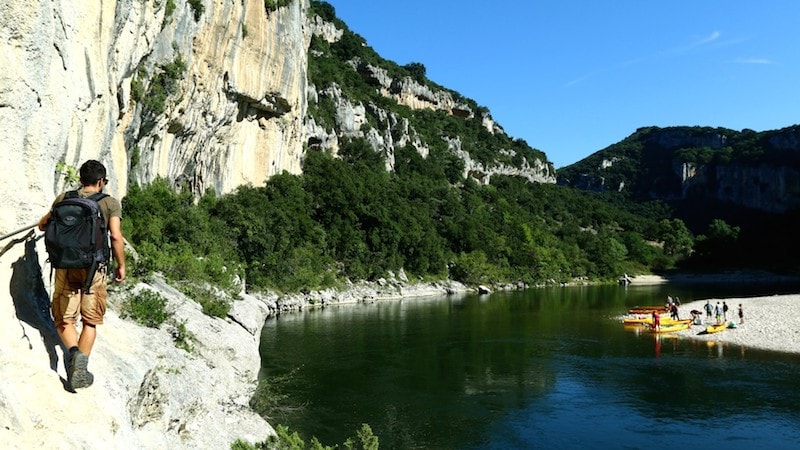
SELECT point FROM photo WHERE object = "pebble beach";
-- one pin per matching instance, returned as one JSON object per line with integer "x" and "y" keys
{"x": 770, "y": 322}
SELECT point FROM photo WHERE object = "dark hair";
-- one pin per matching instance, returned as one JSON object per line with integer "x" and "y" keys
{"x": 91, "y": 172}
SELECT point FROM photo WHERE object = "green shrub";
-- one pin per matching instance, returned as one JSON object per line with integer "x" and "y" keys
{"x": 136, "y": 155}
{"x": 68, "y": 173}
{"x": 272, "y": 5}
{"x": 146, "y": 307}
{"x": 213, "y": 305}
{"x": 183, "y": 338}
{"x": 169, "y": 8}
{"x": 364, "y": 439}
{"x": 474, "y": 268}
{"x": 163, "y": 85}
{"x": 197, "y": 8}
{"x": 285, "y": 439}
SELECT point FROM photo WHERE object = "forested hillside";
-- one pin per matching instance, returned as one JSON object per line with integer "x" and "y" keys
{"x": 349, "y": 218}
{"x": 406, "y": 175}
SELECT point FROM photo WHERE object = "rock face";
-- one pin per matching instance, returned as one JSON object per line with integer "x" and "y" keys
{"x": 394, "y": 131}
{"x": 766, "y": 187}
{"x": 72, "y": 73}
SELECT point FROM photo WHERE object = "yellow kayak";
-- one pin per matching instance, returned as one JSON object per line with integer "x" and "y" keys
{"x": 716, "y": 328}
{"x": 668, "y": 328}
{"x": 649, "y": 321}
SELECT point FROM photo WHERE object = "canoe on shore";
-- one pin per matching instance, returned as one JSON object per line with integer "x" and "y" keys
{"x": 677, "y": 326}
{"x": 716, "y": 328}
{"x": 649, "y": 321}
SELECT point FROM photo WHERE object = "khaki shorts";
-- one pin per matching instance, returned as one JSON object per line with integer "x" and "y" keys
{"x": 69, "y": 301}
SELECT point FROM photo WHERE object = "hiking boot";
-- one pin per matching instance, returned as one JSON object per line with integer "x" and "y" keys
{"x": 79, "y": 377}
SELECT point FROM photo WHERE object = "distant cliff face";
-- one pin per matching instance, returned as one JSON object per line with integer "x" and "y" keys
{"x": 386, "y": 129}
{"x": 765, "y": 187}
{"x": 72, "y": 72}
{"x": 759, "y": 171}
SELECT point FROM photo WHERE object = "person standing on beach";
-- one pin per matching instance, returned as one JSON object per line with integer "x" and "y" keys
{"x": 718, "y": 313}
{"x": 724, "y": 310}
{"x": 708, "y": 309}
{"x": 741, "y": 314}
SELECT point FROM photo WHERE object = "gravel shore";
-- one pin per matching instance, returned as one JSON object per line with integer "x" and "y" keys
{"x": 770, "y": 323}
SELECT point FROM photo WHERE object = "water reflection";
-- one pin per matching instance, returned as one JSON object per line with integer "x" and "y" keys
{"x": 519, "y": 370}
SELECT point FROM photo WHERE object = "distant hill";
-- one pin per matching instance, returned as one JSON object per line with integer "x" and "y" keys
{"x": 737, "y": 171}
{"x": 737, "y": 191}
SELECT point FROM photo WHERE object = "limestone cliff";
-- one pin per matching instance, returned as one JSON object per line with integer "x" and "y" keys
{"x": 80, "y": 80}
{"x": 381, "y": 101}
{"x": 85, "y": 80}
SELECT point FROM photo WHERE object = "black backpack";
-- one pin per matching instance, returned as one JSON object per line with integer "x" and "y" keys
{"x": 76, "y": 236}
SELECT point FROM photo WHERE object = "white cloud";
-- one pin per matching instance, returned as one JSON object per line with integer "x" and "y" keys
{"x": 707, "y": 40}
{"x": 754, "y": 61}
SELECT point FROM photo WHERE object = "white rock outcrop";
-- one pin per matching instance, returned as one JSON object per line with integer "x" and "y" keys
{"x": 147, "y": 394}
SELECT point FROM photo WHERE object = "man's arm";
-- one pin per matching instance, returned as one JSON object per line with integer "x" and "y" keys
{"x": 117, "y": 247}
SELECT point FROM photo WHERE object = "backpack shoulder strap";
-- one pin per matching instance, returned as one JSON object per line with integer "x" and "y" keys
{"x": 90, "y": 276}
{"x": 98, "y": 196}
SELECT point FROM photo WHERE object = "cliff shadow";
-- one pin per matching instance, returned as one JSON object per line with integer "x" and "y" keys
{"x": 31, "y": 300}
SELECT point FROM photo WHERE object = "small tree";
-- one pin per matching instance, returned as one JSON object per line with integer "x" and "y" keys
{"x": 417, "y": 71}
{"x": 678, "y": 240}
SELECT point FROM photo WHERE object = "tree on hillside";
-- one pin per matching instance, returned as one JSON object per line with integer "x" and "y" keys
{"x": 678, "y": 240}
{"x": 417, "y": 71}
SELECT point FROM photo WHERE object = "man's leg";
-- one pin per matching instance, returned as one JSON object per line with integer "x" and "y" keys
{"x": 68, "y": 334}
{"x": 86, "y": 341}
{"x": 92, "y": 309}
{"x": 80, "y": 377}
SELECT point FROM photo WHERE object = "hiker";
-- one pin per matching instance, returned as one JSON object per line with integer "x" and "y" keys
{"x": 76, "y": 294}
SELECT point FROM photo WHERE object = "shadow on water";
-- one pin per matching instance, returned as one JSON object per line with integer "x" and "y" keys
{"x": 30, "y": 297}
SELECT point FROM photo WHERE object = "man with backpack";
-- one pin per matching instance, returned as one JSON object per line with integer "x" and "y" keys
{"x": 77, "y": 229}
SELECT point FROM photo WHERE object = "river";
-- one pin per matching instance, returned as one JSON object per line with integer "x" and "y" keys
{"x": 540, "y": 368}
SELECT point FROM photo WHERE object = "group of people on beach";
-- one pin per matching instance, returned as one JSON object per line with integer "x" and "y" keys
{"x": 718, "y": 312}
{"x": 721, "y": 312}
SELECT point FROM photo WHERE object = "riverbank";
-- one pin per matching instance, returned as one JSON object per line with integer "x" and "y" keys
{"x": 770, "y": 323}
{"x": 733, "y": 276}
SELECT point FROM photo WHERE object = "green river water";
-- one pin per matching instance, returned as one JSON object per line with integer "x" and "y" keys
{"x": 540, "y": 368}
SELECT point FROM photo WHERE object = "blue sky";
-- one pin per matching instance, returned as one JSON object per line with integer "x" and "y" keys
{"x": 572, "y": 77}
